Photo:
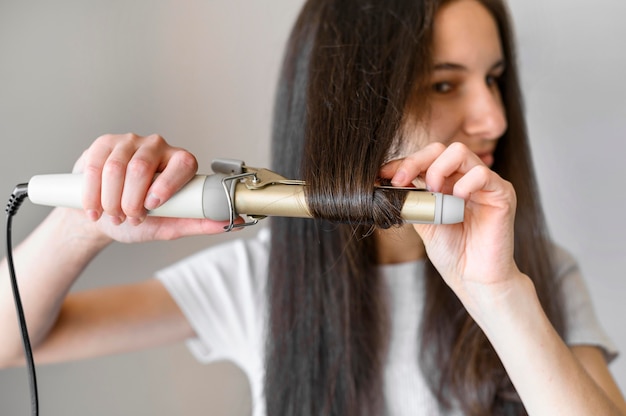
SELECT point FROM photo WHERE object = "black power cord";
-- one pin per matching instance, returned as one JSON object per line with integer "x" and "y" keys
{"x": 19, "y": 194}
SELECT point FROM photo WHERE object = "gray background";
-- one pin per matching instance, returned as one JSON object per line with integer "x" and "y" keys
{"x": 202, "y": 74}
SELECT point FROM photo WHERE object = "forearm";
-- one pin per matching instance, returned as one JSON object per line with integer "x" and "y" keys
{"x": 47, "y": 263}
{"x": 548, "y": 377}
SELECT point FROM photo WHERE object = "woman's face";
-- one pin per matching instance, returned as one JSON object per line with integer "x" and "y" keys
{"x": 466, "y": 105}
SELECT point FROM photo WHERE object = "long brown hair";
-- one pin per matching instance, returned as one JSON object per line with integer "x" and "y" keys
{"x": 351, "y": 69}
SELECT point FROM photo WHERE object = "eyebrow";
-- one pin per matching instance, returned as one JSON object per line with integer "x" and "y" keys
{"x": 451, "y": 66}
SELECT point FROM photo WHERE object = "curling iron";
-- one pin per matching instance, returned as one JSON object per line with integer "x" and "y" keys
{"x": 236, "y": 189}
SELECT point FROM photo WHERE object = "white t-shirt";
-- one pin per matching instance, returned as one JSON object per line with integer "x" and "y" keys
{"x": 221, "y": 291}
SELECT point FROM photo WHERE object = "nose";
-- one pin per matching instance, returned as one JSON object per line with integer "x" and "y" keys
{"x": 485, "y": 118}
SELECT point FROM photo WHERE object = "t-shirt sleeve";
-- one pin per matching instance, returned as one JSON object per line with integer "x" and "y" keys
{"x": 221, "y": 291}
{"x": 583, "y": 326}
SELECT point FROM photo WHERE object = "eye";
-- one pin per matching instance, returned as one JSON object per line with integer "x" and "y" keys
{"x": 493, "y": 80}
{"x": 442, "y": 87}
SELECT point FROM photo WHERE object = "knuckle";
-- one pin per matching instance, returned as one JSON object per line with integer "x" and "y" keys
{"x": 436, "y": 146}
{"x": 186, "y": 159}
{"x": 458, "y": 147}
{"x": 113, "y": 167}
{"x": 130, "y": 136}
{"x": 138, "y": 166}
{"x": 155, "y": 140}
{"x": 91, "y": 170}
{"x": 482, "y": 170}
{"x": 411, "y": 158}
{"x": 113, "y": 139}
{"x": 510, "y": 189}
{"x": 105, "y": 139}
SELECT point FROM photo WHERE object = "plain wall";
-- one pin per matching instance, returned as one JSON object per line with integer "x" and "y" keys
{"x": 202, "y": 74}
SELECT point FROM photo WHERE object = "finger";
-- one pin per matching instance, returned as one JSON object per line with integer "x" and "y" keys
{"x": 140, "y": 172}
{"x": 180, "y": 169}
{"x": 447, "y": 187}
{"x": 404, "y": 171}
{"x": 454, "y": 162}
{"x": 91, "y": 164}
{"x": 389, "y": 169}
{"x": 481, "y": 181}
{"x": 79, "y": 165}
{"x": 184, "y": 227}
{"x": 113, "y": 178}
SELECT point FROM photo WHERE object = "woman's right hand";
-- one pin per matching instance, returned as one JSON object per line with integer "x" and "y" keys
{"x": 119, "y": 179}
{"x": 120, "y": 187}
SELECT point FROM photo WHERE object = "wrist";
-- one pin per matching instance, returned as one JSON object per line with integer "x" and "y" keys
{"x": 500, "y": 304}
{"x": 76, "y": 231}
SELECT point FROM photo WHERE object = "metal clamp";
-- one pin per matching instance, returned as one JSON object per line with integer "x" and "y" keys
{"x": 253, "y": 178}
{"x": 231, "y": 204}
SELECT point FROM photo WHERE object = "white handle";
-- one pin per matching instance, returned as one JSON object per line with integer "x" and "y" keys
{"x": 66, "y": 190}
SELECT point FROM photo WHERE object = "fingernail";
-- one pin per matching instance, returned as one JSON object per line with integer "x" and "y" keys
{"x": 136, "y": 220}
{"x": 116, "y": 220}
{"x": 93, "y": 215}
{"x": 152, "y": 201}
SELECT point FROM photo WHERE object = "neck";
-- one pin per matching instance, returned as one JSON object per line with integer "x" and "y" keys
{"x": 399, "y": 245}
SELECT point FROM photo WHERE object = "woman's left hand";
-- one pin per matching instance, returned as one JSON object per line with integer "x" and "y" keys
{"x": 474, "y": 257}
{"x": 476, "y": 260}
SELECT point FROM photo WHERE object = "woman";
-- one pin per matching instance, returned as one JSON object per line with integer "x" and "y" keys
{"x": 363, "y": 314}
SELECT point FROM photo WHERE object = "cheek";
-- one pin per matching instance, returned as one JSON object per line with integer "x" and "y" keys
{"x": 443, "y": 126}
